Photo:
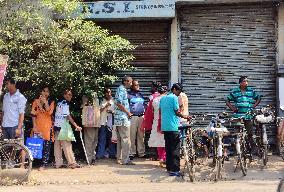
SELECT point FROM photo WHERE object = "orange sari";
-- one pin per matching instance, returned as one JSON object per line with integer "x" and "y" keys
{"x": 43, "y": 119}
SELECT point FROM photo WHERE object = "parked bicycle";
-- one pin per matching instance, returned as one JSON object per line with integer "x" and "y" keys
{"x": 15, "y": 160}
{"x": 262, "y": 118}
{"x": 242, "y": 145}
{"x": 216, "y": 132}
{"x": 187, "y": 148}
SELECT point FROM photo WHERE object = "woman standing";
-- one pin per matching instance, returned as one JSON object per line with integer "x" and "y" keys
{"x": 156, "y": 137}
{"x": 42, "y": 110}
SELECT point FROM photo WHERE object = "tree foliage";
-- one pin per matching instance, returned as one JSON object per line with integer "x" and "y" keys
{"x": 66, "y": 53}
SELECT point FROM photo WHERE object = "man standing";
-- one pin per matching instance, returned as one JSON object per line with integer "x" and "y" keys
{"x": 121, "y": 121}
{"x": 245, "y": 99}
{"x": 137, "y": 108}
{"x": 14, "y": 105}
{"x": 170, "y": 114}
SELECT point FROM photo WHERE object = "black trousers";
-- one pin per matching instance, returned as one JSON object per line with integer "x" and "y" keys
{"x": 172, "y": 145}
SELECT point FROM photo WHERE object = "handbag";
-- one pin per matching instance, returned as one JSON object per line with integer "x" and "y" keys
{"x": 35, "y": 145}
{"x": 66, "y": 132}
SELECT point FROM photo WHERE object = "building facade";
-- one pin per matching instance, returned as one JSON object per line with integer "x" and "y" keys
{"x": 204, "y": 44}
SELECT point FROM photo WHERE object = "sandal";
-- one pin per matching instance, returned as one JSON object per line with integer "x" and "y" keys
{"x": 74, "y": 166}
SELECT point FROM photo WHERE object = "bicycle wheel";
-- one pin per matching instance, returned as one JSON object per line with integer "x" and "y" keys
{"x": 218, "y": 167}
{"x": 189, "y": 167}
{"x": 264, "y": 154}
{"x": 189, "y": 164}
{"x": 243, "y": 159}
{"x": 15, "y": 162}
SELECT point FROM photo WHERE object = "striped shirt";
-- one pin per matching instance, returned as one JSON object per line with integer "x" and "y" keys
{"x": 244, "y": 101}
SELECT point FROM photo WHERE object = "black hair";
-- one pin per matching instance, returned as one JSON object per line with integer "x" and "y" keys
{"x": 177, "y": 86}
{"x": 125, "y": 78}
{"x": 66, "y": 91}
{"x": 42, "y": 87}
{"x": 11, "y": 80}
{"x": 156, "y": 84}
{"x": 162, "y": 89}
{"x": 106, "y": 90}
{"x": 242, "y": 78}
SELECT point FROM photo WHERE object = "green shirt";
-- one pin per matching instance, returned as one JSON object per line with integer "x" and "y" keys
{"x": 244, "y": 101}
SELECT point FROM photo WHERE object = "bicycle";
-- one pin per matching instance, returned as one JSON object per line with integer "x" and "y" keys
{"x": 263, "y": 116}
{"x": 187, "y": 148}
{"x": 216, "y": 130}
{"x": 14, "y": 158}
{"x": 242, "y": 146}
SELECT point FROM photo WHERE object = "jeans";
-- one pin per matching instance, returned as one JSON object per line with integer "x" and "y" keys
{"x": 111, "y": 147}
{"x": 172, "y": 145}
{"x": 102, "y": 142}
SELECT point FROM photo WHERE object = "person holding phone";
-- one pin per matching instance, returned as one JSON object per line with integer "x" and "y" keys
{"x": 42, "y": 111}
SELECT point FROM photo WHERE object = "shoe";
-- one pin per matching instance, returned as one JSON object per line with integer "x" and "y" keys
{"x": 42, "y": 168}
{"x": 74, "y": 166}
{"x": 175, "y": 174}
{"x": 129, "y": 163}
{"x": 226, "y": 158}
{"x": 61, "y": 166}
{"x": 98, "y": 158}
{"x": 143, "y": 156}
{"x": 112, "y": 157}
{"x": 93, "y": 162}
{"x": 131, "y": 157}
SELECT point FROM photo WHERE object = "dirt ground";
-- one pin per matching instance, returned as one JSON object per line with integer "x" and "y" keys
{"x": 146, "y": 175}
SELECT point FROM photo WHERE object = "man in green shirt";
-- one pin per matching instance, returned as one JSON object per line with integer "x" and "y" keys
{"x": 245, "y": 99}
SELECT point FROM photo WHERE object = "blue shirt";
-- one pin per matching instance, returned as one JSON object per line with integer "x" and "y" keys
{"x": 136, "y": 102}
{"x": 120, "y": 117}
{"x": 169, "y": 119}
{"x": 13, "y": 106}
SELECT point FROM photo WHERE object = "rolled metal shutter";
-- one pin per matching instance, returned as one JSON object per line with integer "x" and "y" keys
{"x": 152, "y": 52}
{"x": 222, "y": 42}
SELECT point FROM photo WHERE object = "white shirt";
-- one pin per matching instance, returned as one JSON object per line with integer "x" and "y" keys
{"x": 104, "y": 113}
{"x": 62, "y": 111}
{"x": 13, "y": 106}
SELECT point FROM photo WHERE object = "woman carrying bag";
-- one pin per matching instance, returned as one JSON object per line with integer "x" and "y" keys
{"x": 64, "y": 133}
{"x": 42, "y": 110}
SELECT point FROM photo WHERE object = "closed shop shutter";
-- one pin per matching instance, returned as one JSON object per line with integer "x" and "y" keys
{"x": 152, "y": 52}
{"x": 222, "y": 42}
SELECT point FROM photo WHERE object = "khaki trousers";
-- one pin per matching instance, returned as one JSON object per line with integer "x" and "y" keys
{"x": 67, "y": 148}
{"x": 91, "y": 141}
{"x": 123, "y": 143}
{"x": 136, "y": 135}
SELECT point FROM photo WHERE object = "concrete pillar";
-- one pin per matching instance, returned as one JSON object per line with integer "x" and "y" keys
{"x": 281, "y": 34}
{"x": 175, "y": 52}
{"x": 280, "y": 60}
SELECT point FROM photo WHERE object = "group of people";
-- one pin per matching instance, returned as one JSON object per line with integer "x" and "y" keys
{"x": 115, "y": 127}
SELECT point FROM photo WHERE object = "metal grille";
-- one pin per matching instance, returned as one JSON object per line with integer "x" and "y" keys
{"x": 151, "y": 55}
{"x": 221, "y": 43}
